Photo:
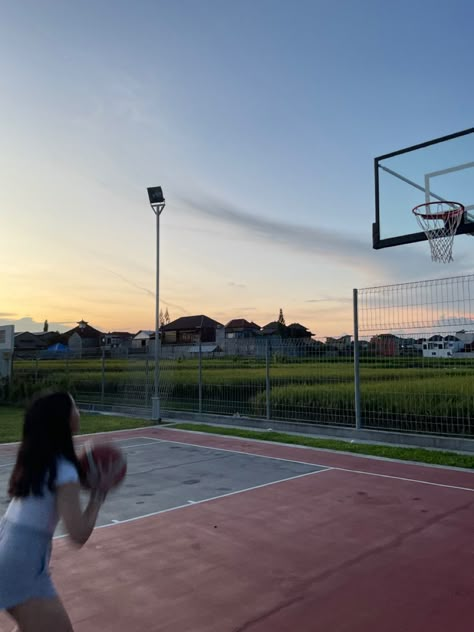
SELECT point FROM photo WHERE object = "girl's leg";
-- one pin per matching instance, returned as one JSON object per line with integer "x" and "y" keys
{"x": 41, "y": 615}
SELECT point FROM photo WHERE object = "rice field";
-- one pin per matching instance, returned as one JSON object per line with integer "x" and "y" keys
{"x": 410, "y": 394}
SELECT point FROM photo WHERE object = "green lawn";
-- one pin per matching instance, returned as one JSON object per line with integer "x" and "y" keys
{"x": 418, "y": 455}
{"x": 11, "y": 419}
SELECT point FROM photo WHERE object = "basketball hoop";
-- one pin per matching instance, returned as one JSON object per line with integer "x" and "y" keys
{"x": 440, "y": 226}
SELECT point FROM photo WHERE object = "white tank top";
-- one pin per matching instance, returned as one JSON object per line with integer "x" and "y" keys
{"x": 40, "y": 512}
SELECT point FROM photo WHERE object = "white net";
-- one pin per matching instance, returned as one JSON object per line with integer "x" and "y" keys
{"x": 439, "y": 221}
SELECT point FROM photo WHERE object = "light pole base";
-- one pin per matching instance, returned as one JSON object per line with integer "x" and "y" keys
{"x": 155, "y": 409}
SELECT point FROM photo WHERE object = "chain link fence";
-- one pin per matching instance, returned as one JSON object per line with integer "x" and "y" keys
{"x": 408, "y": 366}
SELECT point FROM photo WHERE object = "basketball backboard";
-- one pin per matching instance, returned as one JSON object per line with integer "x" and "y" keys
{"x": 438, "y": 170}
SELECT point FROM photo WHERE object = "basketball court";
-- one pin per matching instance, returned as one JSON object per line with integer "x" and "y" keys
{"x": 222, "y": 534}
{"x": 213, "y": 534}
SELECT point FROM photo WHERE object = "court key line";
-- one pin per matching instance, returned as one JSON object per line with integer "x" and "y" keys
{"x": 200, "y": 502}
{"x": 326, "y": 467}
{"x": 313, "y": 449}
{"x": 208, "y": 447}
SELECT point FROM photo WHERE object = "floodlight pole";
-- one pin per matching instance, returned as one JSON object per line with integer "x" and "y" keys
{"x": 157, "y": 203}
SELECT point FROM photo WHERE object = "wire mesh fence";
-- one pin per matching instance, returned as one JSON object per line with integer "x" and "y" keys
{"x": 409, "y": 367}
{"x": 297, "y": 379}
{"x": 98, "y": 379}
{"x": 417, "y": 356}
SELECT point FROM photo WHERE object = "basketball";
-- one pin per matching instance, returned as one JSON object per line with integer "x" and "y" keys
{"x": 104, "y": 455}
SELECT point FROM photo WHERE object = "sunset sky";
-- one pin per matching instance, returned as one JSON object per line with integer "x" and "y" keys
{"x": 259, "y": 118}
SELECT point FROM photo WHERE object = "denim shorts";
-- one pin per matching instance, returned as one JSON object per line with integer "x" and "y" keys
{"x": 24, "y": 564}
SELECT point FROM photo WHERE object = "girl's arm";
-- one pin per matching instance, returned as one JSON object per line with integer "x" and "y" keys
{"x": 79, "y": 523}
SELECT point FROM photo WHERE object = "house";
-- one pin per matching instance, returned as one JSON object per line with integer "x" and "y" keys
{"x": 49, "y": 337}
{"x": 141, "y": 340}
{"x": 116, "y": 341}
{"x": 363, "y": 346}
{"x": 83, "y": 339}
{"x": 386, "y": 345}
{"x": 446, "y": 347}
{"x": 190, "y": 330}
{"x": 338, "y": 346}
{"x": 295, "y": 330}
{"x": 273, "y": 330}
{"x": 409, "y": 347}
{"x": 240, "y": 328}
{"x": 341, "y": 343}
{"x": 278, "y": 331}
{"x": 467, "y": 337}
{"x": 419, "y": 344}
{"x": 27, "y": 344}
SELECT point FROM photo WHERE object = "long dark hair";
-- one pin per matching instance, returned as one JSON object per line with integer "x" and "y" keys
{"x": 47, "y": 435}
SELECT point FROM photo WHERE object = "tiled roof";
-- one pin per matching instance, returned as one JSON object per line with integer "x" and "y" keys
{"x": 191, "y": 322}
{"x": 241, "y": 323}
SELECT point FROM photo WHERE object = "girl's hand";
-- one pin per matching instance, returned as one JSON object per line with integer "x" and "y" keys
{"x": 101, "y": 477}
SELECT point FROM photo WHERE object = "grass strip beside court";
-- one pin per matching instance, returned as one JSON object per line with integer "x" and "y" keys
{"x": 11, "y": 420}
{"x": 418, "y": 455}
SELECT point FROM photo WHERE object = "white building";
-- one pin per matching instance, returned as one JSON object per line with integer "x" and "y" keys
{"x": 447, "y": 346}
{"x": 142, "y": 340}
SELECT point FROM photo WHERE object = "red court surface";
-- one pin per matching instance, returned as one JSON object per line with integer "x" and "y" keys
{"x": 364, "y": 546}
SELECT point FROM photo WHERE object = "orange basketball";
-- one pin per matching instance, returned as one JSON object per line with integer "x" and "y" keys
{"x": 104, "y": 454}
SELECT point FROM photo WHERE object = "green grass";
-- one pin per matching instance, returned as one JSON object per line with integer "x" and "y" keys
{"x": 11, "y": 420}
{"x": 418, "y": 455}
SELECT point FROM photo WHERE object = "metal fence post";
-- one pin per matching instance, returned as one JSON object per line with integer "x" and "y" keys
{"x": 358, "y": 419}
{"x": 146, "y": 382}
{"x": 102, "y": 391}
{"x": 200, "y": 376}
{"x": 267, "y": 378}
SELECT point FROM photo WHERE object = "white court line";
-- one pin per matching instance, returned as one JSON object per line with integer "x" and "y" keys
{"x": 326, "y": 467}
{"x": 356, "y": 455}
{"x": 150, "y": 441}
{"x": 401, "y": 478}
{"x": 199, "y": 502}
{"x": 136, "y": 445}
{"x": 102, "y": 432}
{"x": 260, "y": 456}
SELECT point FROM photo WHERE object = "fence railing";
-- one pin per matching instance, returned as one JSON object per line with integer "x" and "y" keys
{"x": 408, "y": 366}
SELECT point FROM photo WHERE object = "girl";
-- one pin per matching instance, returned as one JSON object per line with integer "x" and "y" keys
{"x": 44, "y": 487}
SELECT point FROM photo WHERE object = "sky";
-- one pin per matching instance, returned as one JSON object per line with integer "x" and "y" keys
{"x": 260, "y": 120}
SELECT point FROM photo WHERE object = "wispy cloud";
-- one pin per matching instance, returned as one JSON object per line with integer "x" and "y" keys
{"x": 131, "y": 282}
{"x": 232, "y": 284}
{"x": 336, "y": 246}
{"x": 145, "y": 290}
